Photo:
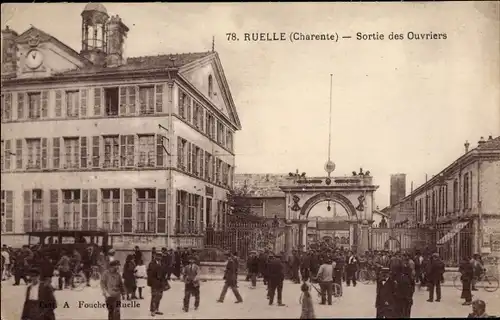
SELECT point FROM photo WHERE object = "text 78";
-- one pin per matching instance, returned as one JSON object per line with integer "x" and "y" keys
{"x": 231, "y": 36}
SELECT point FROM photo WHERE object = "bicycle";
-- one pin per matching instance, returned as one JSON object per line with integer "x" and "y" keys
{"x": 487, "y": 282}
{"x": 367, "y": 276}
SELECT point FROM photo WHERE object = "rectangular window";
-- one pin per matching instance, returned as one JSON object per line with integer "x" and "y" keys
{"x": 466, "y": 191}
{"x": 58, "y": 105}
{"x": 162, "y": 211}
{"x": 201, "y": 213}
{"x": 96, "y": 146}
{"x": 218, "y": 171}
{"x": 191, "y": 219}
{"x": 7, "y": 106}
{"x": 111, "y": 152}
{"x": 37, "y": 207}
{"x": 208, "y": 166}
{"x": 202, "y": 163}
{"x": 56, "y": 153}
{"x": 446, "y": 199}
{"x": 111, "y": 96}
{"x": 7, "y": 154}
{"x": 210, "y": 126}
{"x": 146, "y": 100}
{"x": 127, "y": 217}
{"x": 111, "y": 217}
{"x": 208, "y": 213}
{"x": 83, "y": 152}
{"x": 34, "y": 105}
{"x": 182, "y": 109}
{"x": 84, "y": 93}
{"x": 189, "y": 157}
{"x": 147, "y": 148}
{"x": 127, "y": 150}
{"x": 71, "y": 208}
{"x": 181, "y": 151}
{"x": 196, "y": 157}
{"x": 34, "y": 154}
{"x": 20, "y": 105}
{"x": 131, "y": 102}
{"x": 455, "y": 195}
{"x": 72, "y": 153}
{"x": 159, "y": 98}
{"x": 7, "y": 211}
{"x": 54, "y": 210}
{"x": 97, "y": 101}
{"x": 72, "y": 104}
{"x": 146, "y": 210}
{"x": 220, "y": 132}
{"x": 89, "y": 209}
{"x": 27, "y": 218}
{"x": 229, "y": 142}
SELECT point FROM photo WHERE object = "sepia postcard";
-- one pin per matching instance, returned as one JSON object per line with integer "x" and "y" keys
{"x": 250, "y": 160}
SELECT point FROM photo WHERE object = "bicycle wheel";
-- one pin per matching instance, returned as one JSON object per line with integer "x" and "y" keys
{"x": 364, "y": 277}
{"x": 457, "y": 282}
{"x": 489, "y": 283}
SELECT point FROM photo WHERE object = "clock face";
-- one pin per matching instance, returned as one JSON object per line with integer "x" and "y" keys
{"x": 34, "y": 59}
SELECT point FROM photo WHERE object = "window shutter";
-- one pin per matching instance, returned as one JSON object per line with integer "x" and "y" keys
{"x": 123, "y": 100}
{"x": 7, "y": 154}
{"x": 132, "y": 99}
{"x": 27, "y": 211}
{"x": 97, "y": 101}
{"x": 162, "y": 211}
{"x": 159, "y": 98}
{"x": 127, "y": 221}
{"x": 44, "y": 153}
{"x": 84, "y": 93}
{"x": 83, "y": 152}
{"x": 160, "y": 153}
{"x": 19, "y": 154}
{"x": 54, "y": 210}
{"x": 189, "y": 159}
{"x": 58, "y": 104}
{"x": 20, "y": 105}
{"x": 202, "y": 163}
{"x": 45, "y": 103}
{"x": 95, "y": 151}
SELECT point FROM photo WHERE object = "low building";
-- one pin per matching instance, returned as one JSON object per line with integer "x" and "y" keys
{"x": 140, "y": 147}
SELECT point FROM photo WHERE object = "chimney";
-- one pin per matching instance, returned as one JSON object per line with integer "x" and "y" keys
{"x": 117, "y": 32}
{"x": 9, "y": 52}
{"x": 466, "y": 145}
{"x": 398, "y": 188}
{"x": 481, "y": 141}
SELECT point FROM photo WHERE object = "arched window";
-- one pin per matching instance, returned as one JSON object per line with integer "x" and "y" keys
{"x": 210, "y": 86}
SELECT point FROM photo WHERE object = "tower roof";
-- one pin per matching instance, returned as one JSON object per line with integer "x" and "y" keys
{"x": 95, "y": 7}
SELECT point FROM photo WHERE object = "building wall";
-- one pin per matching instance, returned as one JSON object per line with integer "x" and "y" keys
{"x": 490, "y": 187}
{"x": 274, "y": 206}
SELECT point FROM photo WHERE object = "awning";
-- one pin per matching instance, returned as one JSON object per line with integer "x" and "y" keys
{"x": 453, "y": 232}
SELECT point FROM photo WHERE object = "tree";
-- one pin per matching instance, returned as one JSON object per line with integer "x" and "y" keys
{"x": 239, "y": 200}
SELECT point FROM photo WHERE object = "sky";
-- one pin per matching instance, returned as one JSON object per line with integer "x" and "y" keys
{"x": 400, "y": 106}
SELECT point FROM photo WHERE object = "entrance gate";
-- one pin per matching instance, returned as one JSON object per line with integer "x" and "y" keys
{"x": 354, "y": 194}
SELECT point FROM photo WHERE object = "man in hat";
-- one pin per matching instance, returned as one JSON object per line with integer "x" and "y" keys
{"x": 191, "y": 284}
{"x": 112, "y": 289}
{"x": 231, "y": 277}
{"x": 479, "y": 310}
{"x": 40, "y": 302}
{"x": 435, "y": 271}
{"x": 276, "y": 278}
{"x": 157, "y": 281}
{"x": 170, "y": 263}
{"x": 385, "y": 302}
{"x": 253, "y": 268}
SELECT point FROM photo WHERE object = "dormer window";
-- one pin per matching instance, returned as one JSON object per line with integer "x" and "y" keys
{"x": 210, "y": 86}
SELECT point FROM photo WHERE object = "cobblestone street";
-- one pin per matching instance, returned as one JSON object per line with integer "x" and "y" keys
{"x": 356, "y": 302}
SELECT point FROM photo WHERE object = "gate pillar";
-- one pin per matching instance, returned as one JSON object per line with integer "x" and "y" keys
{"x": 364, "y": 243}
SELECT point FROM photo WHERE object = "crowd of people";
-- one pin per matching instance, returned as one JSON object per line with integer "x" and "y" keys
{"x": 398, "y": 274}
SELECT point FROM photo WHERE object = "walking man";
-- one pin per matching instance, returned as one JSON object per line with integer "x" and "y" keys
{"x": 156, "y": 280}
{"x": 435, "y": 273}
{"x": 253, "y": 268}
{"x": 231, "y": 277}
{"x": 40, "y": 302}
{"x": 351, "y": 268}
{"x": 191, "y": 284}
{"x": 112, "y": 289}
{"x": 276, "y": 278}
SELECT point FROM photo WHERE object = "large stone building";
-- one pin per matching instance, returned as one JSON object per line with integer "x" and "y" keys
{"x": 460, "y": 206}
{"x": 142, "y": 147}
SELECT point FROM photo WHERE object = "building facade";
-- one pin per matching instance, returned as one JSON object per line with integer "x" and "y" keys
{"x": 459, "y": 208}
{"x": 141, "y": 147}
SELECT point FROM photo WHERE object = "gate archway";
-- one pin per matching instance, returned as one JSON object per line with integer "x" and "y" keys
{"x": 354, "y": 194}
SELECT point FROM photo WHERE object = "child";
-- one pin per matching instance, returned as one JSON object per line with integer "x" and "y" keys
{"x": 140, "y": 276}
{"x": 307, "y": 304}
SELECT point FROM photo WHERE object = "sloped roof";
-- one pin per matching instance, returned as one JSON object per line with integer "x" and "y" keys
{"x": 165, "y": 61}
{"x": 261, "y": 185}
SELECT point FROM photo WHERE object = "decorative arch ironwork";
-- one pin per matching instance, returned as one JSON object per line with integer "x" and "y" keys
{"x": 328, "y": 196}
